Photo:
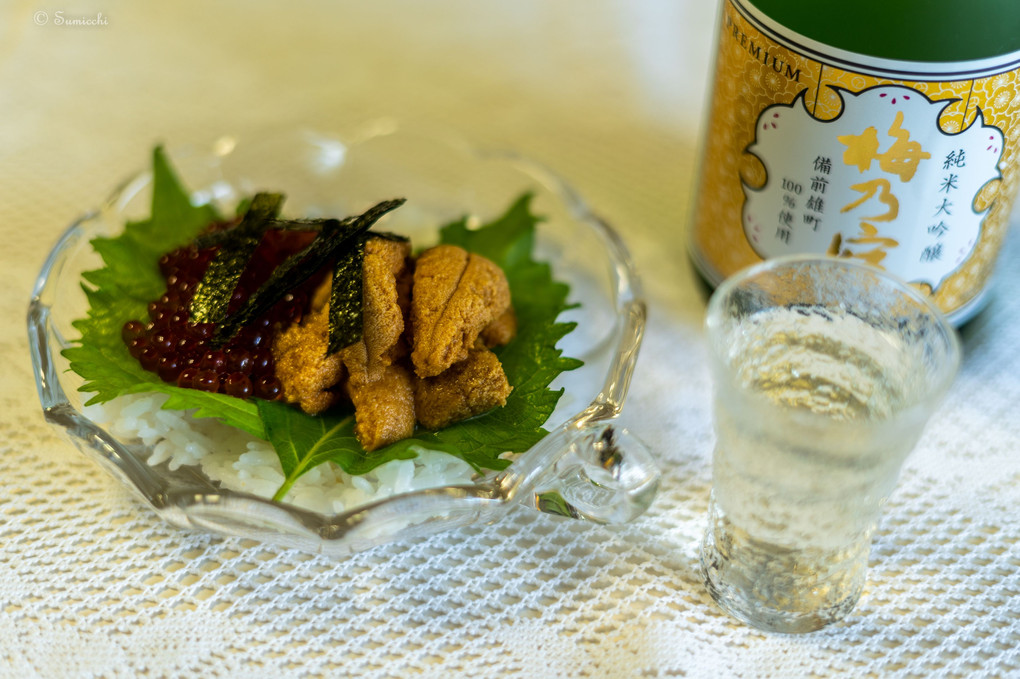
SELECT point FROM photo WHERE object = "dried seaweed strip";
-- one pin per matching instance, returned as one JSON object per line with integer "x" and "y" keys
{"x": 346, "y": 296}
{"x": 288, "y": 275}
{"x": 347, "y": 293}
{"x": 328, "y": 244}
{"x": 389, "y": 235}
{"x": 213, "y": 293}
{"x": 223, "y": 232}
{"x": 211, "y": 238}
{"x": 266, "y": 208}
{"x": 300, "y": 224}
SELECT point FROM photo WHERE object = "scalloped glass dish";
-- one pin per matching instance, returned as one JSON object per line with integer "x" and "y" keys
{"x": 585, "y": 468}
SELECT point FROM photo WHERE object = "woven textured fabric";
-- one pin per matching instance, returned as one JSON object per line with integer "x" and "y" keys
{"x": 609, "y": 94}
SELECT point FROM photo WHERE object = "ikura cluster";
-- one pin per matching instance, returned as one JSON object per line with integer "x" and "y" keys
{"x": 186, "y": 353}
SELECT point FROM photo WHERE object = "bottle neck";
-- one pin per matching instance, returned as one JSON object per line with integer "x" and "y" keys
{"x": 939, "y": 31}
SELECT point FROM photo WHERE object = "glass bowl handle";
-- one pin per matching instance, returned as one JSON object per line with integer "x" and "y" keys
{"x": 589, "y": 468}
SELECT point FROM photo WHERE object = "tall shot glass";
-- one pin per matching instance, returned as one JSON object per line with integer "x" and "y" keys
{"x": 826, "y": 371}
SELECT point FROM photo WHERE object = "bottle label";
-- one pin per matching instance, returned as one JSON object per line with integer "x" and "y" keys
{"x": 813, "y": 152}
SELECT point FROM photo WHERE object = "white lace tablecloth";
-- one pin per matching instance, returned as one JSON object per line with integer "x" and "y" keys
{"x": 608, "y": 93}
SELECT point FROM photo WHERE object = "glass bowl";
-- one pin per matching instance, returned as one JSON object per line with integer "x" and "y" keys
{"x": 586, "y": 468}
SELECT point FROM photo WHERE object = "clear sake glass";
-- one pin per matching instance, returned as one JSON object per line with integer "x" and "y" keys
{"x": 826, "y": 371}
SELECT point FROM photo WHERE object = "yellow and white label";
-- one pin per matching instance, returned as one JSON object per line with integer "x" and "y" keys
{"x": 813, "y": 152}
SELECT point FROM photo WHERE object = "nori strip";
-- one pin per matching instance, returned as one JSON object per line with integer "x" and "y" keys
{"x": 345, "y": 298}
{"x": 328, "y": 244}
{"x": 212, "y": 295}
{"x": 217, "y": 237}
{"x": 299, "y": 224}
{"x": 388, "y": 235}
{"x": 211, "y": 238}
{"x": 222, "y": 236}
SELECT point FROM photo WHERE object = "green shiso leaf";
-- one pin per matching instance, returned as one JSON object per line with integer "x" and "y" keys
{"x": 121, "y": 290}
{"x": 130, "y": 278}
{"x": 303, "y": 443}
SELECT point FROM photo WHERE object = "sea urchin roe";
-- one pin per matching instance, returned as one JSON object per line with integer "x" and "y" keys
{"x": 384, "y": 408}
{"x": 385, "y": 289}
{"x": 310, "y": 373}
{"x": 306, "y": 371}
{"x": 467, "y": 388}
{"x": 456, "y": 295}
{"x": 376, "y": 371}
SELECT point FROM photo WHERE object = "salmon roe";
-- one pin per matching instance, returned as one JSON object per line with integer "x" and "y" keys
{"x": 181, "y": 352}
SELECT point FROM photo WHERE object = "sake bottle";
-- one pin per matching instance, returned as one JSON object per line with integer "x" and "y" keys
{"x": 881, "y": 130}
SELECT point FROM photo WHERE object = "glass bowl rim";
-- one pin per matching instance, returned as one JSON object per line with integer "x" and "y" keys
{"x": 238, "y": 513}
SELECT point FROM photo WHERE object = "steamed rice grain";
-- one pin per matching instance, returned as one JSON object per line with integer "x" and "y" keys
{"x": 241, "y": 462}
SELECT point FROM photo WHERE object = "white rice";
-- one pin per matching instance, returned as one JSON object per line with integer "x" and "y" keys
{"x": 244, "y": 463}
